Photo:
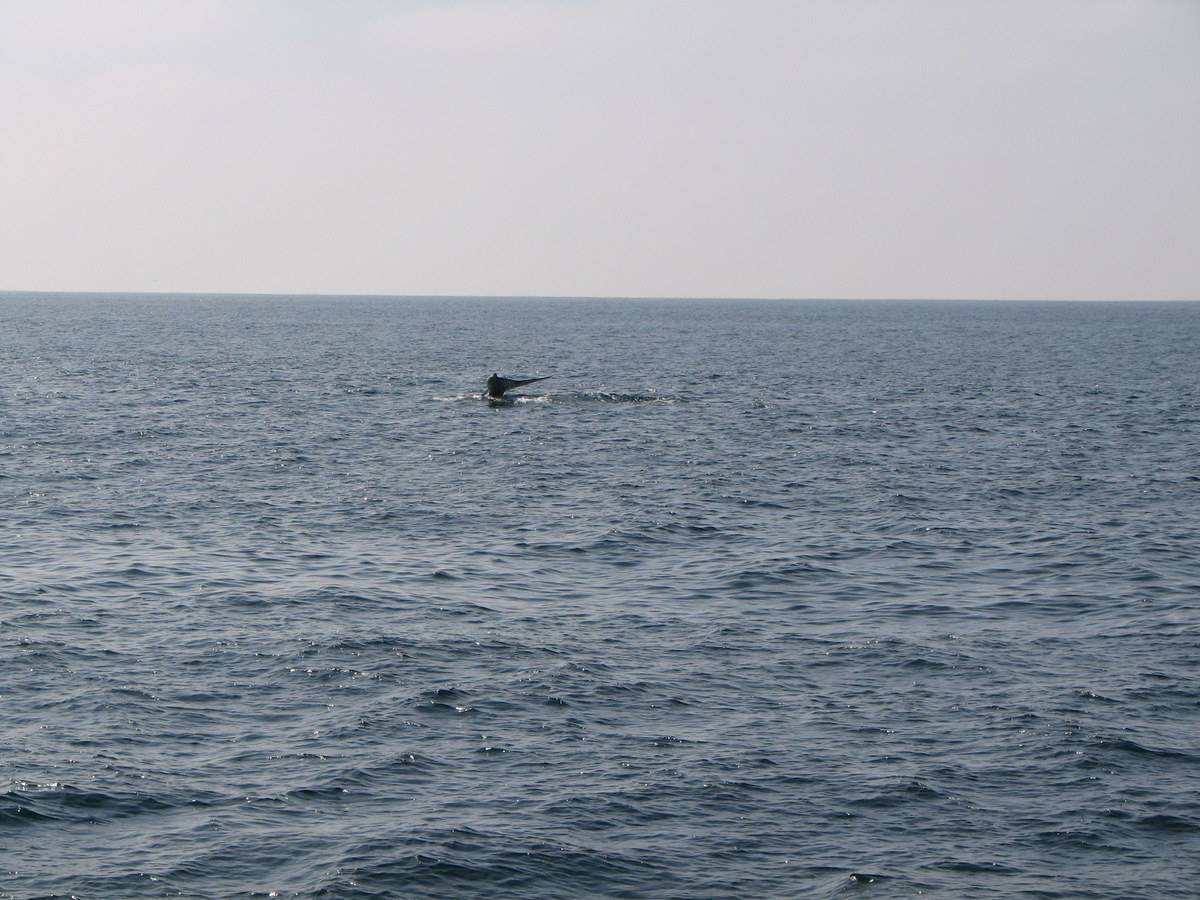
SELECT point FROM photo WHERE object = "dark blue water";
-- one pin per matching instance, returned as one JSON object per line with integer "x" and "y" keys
{"x": 748, "y": 600}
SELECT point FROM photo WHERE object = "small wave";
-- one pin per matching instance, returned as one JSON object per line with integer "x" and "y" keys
{"x": 567, "y": 397}
{"x": 614, "y": 397}
{"x": 1169, "y": 824}
{"x": 466, "y": 862}
{"x": 672, "y": 741}
{"x": 899, "y": 795}
{"x": 964, "y": 867}
{"x": 442, "y": 694}
{"x": 1125, "y": 745}
{"x": 449, "y": 701}
{"x": 28, "y": 803}
{"x": 607, "y": 397}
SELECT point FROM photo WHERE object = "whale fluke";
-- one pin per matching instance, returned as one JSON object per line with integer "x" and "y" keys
{"x": 496, "y": 386}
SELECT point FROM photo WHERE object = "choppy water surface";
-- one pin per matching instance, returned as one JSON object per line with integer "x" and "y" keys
{"x": 749, "y": 600}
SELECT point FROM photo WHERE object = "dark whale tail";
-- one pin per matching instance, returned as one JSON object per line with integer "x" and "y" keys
{"x": 496, "y": 386}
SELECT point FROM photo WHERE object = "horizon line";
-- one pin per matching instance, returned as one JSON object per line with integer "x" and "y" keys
{"x": 569, "y": 297}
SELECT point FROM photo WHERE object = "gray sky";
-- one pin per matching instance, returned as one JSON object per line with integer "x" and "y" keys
{"x": 739, "y": 148}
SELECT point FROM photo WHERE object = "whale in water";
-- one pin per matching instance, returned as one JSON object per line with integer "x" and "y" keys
{"x": 496, "y": 386}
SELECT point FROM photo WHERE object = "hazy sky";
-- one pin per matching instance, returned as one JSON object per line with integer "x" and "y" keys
{"x": 746, "y": 148}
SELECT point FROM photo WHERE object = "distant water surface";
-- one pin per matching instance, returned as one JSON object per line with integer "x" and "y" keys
{"x": 750, "y": 599}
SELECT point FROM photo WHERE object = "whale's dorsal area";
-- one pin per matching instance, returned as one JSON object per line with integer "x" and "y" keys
{"x": 496, "y": 386}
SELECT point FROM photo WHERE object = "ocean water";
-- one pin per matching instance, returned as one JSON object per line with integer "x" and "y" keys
{"x": 749, "y": 599}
